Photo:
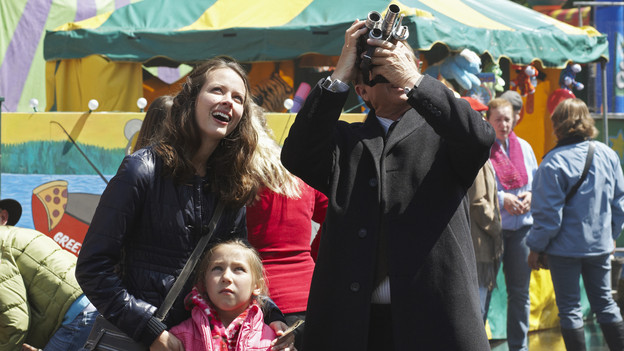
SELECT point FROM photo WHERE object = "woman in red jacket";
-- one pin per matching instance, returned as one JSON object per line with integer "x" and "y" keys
{"x": 279, "y": 226}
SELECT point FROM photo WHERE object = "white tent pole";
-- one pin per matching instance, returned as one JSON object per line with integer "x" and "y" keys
{"x": 578, "y": 5}
{"x": 605, "y": 121}
{"x": 603, "y": 63}
{"x": 580, "y": 15}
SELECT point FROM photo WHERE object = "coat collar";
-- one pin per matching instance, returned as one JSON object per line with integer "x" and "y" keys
{"x": 408, "y": 124}
{"x": 373, "y": 135}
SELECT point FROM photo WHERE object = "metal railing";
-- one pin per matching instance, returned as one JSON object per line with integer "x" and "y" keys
{"x": 578, "y": 5}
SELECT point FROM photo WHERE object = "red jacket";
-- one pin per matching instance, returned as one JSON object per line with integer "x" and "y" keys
{"x": 254, "y": 335}
{"x": 280, "y": 229}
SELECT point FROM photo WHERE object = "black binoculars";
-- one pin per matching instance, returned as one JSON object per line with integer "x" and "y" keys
{"x": 389, "y": 29}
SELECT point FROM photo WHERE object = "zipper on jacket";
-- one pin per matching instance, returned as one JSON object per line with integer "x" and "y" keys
{"x": 197, "y": 205}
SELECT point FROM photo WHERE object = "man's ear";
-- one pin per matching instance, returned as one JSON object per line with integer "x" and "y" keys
{"x": 4, "y": 216}
{"x": 361, "y": 90}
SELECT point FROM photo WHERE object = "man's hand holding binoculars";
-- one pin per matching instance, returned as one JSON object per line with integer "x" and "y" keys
{"x": 346, "y": 70}
{"x": 395, "y": 62}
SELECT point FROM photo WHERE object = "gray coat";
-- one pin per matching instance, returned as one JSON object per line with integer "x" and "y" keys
{"x": 411, "y": 187}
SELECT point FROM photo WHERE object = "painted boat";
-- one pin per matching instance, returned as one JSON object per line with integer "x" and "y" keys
{"x": 63, "y": 216}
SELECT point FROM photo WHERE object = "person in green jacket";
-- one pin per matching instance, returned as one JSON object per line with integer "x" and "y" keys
{"x": 41, "y": 303}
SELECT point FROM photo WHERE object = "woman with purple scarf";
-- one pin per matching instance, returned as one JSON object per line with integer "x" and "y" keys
{"x": 514, "y": 164}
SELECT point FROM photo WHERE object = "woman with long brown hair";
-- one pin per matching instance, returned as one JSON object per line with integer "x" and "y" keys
{"x": 155, "y": 209}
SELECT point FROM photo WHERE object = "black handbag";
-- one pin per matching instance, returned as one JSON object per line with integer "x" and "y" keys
{"x": 105, "y": 336}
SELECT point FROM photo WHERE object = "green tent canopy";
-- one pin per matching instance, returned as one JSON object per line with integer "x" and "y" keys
{"x": 169, "y": 32}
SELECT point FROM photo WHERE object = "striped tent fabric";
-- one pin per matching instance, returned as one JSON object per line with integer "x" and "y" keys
{"x": 571, "y": 16}
{"x": 163, "y": 32}
{"x": 23, "y": 24}
{"x": 169, "y": 32}
{"x": 22, "y": 28}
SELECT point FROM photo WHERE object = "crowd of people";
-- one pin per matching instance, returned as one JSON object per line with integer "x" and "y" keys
{"x": 419, "y": 207}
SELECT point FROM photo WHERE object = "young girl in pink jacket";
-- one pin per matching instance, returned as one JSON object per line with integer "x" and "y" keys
{"x": 226, "y": 302}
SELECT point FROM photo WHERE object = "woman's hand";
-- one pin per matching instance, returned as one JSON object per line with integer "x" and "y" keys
{"x": 533, "y": 260}
{"x": 537, "y": 261}
{"x": 166, "y": 342}
{"x": 515, "y": 205}
{"x": 286, "y": 344}
{"x": 526, "y": 197}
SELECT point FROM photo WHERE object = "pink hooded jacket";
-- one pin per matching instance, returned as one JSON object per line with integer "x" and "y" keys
{"x": 254, "y": 335}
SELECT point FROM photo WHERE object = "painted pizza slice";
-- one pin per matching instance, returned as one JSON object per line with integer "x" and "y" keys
{"x": 53, "y": 197}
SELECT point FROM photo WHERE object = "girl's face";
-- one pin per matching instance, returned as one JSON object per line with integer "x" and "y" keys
{"x": 220, "y": 104}
{"x": 502, "y": 120}
{"x": 229, "y": 282}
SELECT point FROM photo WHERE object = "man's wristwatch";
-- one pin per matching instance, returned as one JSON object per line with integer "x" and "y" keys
{"x": 409, "y": 91}
{"x": 332, "y": 85}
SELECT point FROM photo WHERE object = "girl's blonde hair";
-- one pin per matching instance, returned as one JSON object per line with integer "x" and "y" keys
{"x": 266, "y": 165}
{"x": 571, "y": 118}
{"x": 253, "y": 259}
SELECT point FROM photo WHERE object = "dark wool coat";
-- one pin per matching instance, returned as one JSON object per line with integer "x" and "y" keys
{"x": 412, "y": 187}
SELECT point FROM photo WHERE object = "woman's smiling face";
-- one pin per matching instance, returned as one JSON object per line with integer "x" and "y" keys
{"x": 220, "y": 104}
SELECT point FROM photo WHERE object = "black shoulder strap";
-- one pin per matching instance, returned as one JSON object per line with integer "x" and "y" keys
{"x": 588, "y": 160}
{"x": 190, "y": 265}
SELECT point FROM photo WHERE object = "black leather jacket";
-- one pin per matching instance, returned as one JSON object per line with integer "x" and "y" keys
{"x": 143, "y": 231}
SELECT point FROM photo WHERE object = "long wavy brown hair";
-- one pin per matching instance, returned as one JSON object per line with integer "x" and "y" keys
{"x": 227, "y": 168}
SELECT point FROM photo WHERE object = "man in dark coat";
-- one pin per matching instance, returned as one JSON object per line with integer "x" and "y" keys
{"x": 396, "y": 267}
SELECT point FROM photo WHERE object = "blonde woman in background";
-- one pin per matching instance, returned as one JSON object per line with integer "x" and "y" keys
{"x": 279, "y": 226}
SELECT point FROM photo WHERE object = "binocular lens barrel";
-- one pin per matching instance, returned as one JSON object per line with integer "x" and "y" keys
{"x": 373, "y": 18}
{"x": 375, "y": 33}
{"x": 389, "y": 29}
{"x": 394, "y": 8}
{"x": 391, "y": 17}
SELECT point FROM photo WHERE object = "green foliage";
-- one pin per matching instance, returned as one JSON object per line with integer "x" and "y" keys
{"x": 54, "y": 157}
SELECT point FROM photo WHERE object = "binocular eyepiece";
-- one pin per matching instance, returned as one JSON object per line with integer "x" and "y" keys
{"x": 390, "y": 29}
